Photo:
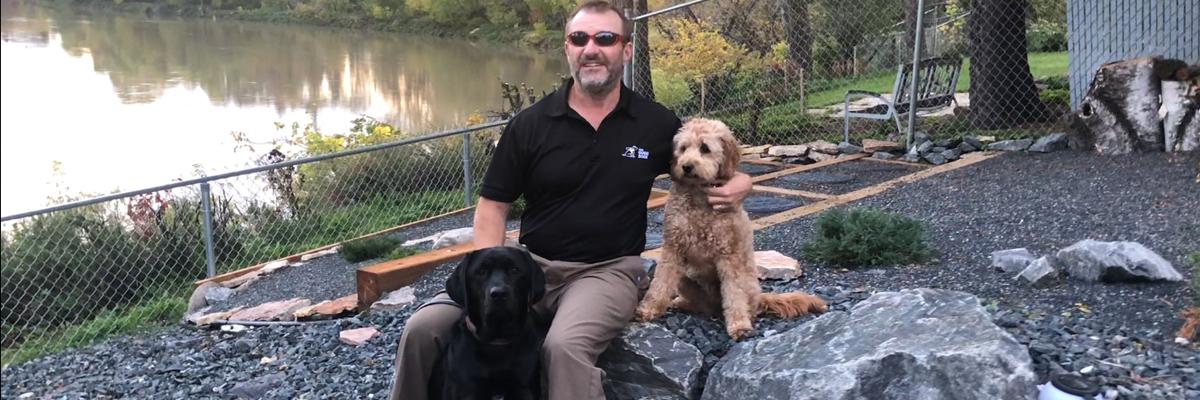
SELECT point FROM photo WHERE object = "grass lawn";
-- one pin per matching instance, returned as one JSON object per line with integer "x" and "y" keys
{"x": 1040, "y": 64}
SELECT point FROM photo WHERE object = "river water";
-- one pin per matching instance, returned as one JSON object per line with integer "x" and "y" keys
{"x": 93, "y": 103}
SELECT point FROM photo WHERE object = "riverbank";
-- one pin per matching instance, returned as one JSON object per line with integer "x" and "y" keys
{"x": 346, "y": 14}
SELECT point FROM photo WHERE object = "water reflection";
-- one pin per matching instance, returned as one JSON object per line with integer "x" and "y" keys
{"x": 166, "y": 94}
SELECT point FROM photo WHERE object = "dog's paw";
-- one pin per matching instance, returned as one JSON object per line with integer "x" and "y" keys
{"x": 646, "y": 314}
{"x": 818, "y": 307}
{"x": 739, "y": 329}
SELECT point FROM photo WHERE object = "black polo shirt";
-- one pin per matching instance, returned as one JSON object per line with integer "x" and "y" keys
{"x": 585, "y": 189}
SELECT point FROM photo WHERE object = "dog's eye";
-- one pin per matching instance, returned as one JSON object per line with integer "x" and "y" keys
{"x": 704, "y": 148}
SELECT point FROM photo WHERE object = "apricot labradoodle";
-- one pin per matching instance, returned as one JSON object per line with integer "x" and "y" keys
{"x": 708, "y": 255}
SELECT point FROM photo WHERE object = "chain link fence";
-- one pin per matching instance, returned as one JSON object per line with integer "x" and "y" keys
{"x": 778, "y": 72}
{"x": 78, "y": 273}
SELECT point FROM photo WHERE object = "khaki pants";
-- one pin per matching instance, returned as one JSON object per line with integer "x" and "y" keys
{"x": 591, "y": 304}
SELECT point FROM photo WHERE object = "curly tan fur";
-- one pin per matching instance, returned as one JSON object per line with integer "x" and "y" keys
{"x": 708, "y": 256}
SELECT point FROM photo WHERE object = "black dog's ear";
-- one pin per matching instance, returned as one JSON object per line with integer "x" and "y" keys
{"x": 537, "y": 278}
{"x": 456, "y": 285}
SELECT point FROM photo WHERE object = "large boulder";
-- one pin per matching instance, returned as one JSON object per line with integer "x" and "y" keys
{"x": 912, "y": 344}
{"x": 649, "y": 362}
{"x": 1092, "y": 260}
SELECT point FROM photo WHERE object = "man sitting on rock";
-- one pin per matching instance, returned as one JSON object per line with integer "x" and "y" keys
{"x": 584, "y": 159}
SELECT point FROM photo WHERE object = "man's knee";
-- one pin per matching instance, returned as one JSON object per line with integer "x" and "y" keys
{"x": 430, "y": 324}
{"x": 558, "y": 346}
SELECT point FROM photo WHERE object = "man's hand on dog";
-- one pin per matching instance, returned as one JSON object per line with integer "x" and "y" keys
{"x": 722, "y": 198}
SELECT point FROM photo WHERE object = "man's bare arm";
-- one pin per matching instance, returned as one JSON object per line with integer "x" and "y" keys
{"x": 490, "y": 216}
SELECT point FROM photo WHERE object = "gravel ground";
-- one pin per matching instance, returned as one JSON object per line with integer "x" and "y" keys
{"x": 1119, "y": 334}
{"x": 842, "y": 178}
{"x": 1045, "y": 202}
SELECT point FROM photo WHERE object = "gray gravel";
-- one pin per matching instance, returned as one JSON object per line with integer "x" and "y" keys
{"x": 842, "y": 178}
{"x": 1042, "y": 202}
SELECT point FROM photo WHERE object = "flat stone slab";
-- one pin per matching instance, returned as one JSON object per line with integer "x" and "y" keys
{"x": 329, "y": 308}
{"x": 275, "y": 310}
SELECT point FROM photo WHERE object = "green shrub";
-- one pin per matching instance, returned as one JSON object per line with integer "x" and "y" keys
{"x": 865, "y": 237}
{"x": 366, "y": 249}
{"x": 401, "y": 252}
{"x": 1046, "y": 36}
{"x": 670, "y": 90}
{"x": 1055, "y": 97}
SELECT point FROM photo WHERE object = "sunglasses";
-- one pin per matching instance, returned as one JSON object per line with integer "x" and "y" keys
{"x": 602, "y": 39}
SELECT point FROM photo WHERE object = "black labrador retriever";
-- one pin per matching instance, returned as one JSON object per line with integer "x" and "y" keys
{"x": 495, "y": 349}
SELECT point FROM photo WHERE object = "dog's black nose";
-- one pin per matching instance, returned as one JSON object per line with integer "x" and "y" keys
{"x": 498, "y": 293}
{"x": 687, "y": 169}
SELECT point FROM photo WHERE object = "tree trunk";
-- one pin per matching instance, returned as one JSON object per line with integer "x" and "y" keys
{"x": 1002, "y": 91}
{"x": 910, "y": 28}
{"x": 799, "y": 38}
{"x": 641, "y": 68}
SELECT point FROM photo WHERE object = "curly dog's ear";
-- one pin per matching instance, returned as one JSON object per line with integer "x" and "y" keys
{"x": 732, "y": 153}
{"x": 537, "y": 278}
{"x": 456, "y": 285}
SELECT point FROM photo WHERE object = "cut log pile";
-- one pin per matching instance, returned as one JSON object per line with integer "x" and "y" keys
{"x": 1142, "y": 104}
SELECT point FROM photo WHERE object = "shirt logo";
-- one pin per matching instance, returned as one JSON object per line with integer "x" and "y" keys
{"x": 635, "y": 152}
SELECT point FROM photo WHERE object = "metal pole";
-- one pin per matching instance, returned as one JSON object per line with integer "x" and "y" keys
{"x": 627, "y": 77}
{"x": 916, "y": 74}
{"x": 466, "y": 158}
{"x": 206, "y": 202}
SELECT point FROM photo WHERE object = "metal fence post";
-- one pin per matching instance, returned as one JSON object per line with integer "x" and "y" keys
{"x": 916, "y": 74}
{"x": 466, "y": 159}
{"x": 206, "y": 202}
{"x": 631, "y": 62}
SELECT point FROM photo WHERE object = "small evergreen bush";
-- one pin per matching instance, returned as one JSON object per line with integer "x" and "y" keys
{"x": 860, "y": 237}
{"x": 366, "y": 249}
{"x": 400, "y": 252}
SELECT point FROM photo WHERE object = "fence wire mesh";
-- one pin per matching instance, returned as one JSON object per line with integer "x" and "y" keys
{"x": 76, "y": 275}
{"x": 776, "y": 71}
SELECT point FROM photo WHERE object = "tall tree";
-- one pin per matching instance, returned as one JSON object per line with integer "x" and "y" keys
{"x": 910, "y": 26}
{"x": 1003, "y": 94}
{"x": 798, "y": 32}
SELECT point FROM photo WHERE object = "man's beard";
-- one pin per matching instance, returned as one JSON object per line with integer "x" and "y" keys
{"x": 593, "y": 86}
